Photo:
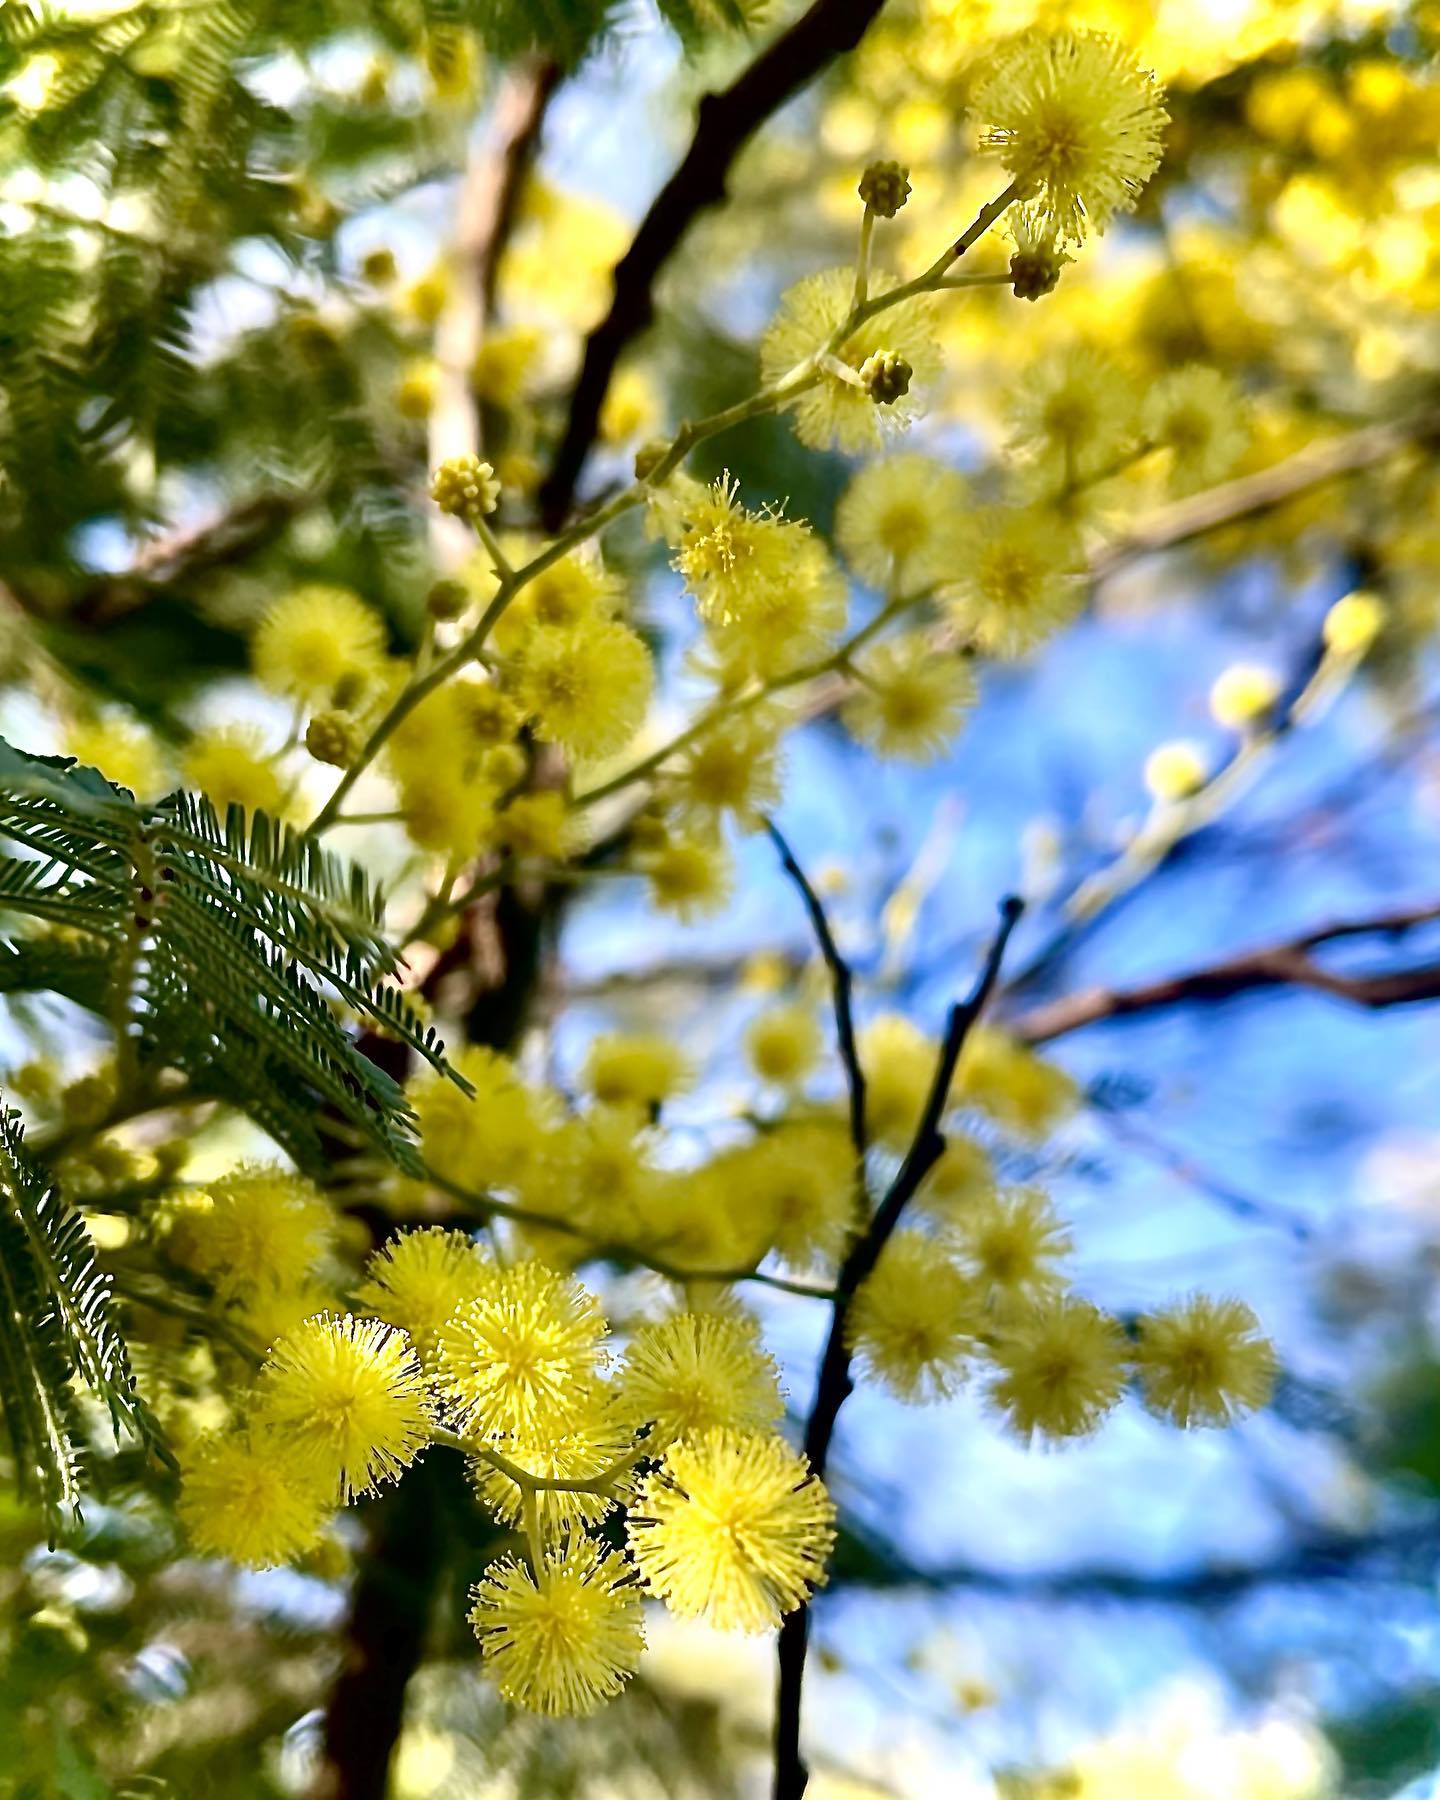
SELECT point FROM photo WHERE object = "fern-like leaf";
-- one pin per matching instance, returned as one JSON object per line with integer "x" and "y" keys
{"x": 227, "y": 948}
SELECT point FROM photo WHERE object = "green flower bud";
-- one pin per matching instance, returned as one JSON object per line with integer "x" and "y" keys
{"x": 884, "y": 187}
{"x": 447, "y": 599}
{"x": 886, "y": 375}
{"x": 466, "y": 488}
{"x": 330, "y": 737}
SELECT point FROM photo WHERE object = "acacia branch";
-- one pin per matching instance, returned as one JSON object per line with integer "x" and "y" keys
{"x": 1288, "y": 964}
{"x": 842, "y": 985}
{"x": 1248, "y": 496}
{"x": 835, "y": 1382}
{"x": 726, "y": 121}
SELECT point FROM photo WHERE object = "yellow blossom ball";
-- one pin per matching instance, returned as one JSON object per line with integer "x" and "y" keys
{"x": 640, "y": 1069}
{"x": 688, "y": 876}
{"x": 784, "y": 1044}
{"x": 564, "y": 1639}
{"x": 909, "y": 702}
{"x": 417, "y": 390}
{"x": 315, "y": 640}
{"x": 1060, "y": 1368}
{"x": 912, "y": 1324}
{"x": 899, "y": 1064}
{"x": 732, "y": 1528}
{"x": 232, "y": 767}
{"x": 694, "y": 1371}
{"x": 893, "y": 521}
{"x": 124, "y": 753}
{"x": 243, "y": 1497}
{"x": 418, "y": 1278}
{"x": 1175, "y": 771}
{"x": 1244, "y": 696}
{"x": 1353, "y": 623}
{"x": 346, "y": 1399}
{"x": 1204, "y": 1362}
{"x": 1074, "y": 119}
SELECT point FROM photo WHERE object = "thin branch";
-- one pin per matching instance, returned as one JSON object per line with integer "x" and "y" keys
{"x": 1249, "y": 495}
{"x": 842, "y": 984}
{"x": 725, "y": 123}
{"x": 485, "y": 215}
{"x": 835, "y": 1382}
{"x": 1288, "y": 964}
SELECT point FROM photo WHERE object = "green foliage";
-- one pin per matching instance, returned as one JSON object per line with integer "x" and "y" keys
{"x": 55, "y": 1325}
{"x": 215, "y": 948}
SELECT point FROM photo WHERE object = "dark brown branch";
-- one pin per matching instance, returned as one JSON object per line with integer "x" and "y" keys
{"x": 725, "y": 123}
{"x": 1289, "y": 964}
{"x": 835, "y": 1382}
{"x": 842, "y": 985}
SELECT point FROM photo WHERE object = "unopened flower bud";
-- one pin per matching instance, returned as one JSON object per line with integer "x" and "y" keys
{"x": 1353, "y": 623}
{"x": 884, "y": 187}
{"x": 886, "y": 375}
{"x": 1035, "y": 272}
{"x": 466, "y": 488}
{"x": 330, "y": 737}
{"x": 447, "y": 599}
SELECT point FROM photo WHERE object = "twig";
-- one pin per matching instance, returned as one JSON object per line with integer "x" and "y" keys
{"x": 1288, "y": 964}
{"x": 725, "y": 123}
{"x": 842, "y": 984}
{"x": 835, "y": 1382}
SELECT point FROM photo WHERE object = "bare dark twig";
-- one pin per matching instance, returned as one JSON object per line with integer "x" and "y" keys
{"x": 1288, "y": 964}
{"x": 725, "y": 123}
{"x": 835, "y": 1382}
{"x": 842, "y": 985}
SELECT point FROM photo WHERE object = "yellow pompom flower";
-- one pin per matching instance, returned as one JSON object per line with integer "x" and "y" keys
{"x": 1175, "y": 771}
{"x": 260, "y": 1226}
{"x": 535, "y": 827}
{"x": 1244, "y": 696}
{"x": 732, "y": 560}
{"x": 734, "y": 768}
{"x": 602, "y": 1162}
{"x": 837, "y": 411}
{"x": 346, "y": 1397}
{"x": 639, "y": 1069}
{"x": 1197, "y": 415}
{"x": 231, "y": 767}
{"x": 505, "y": 364}
{"x": 799, "y": 1184}
{"x": 417, "y": 389}
{"x": 899, "y": 1064}
{"x": 1072, "y": 418}
{"x": 490, "y": 1139}
{"x": 1061, "y": 1368}
{"x": 267, "y": 1312}
{"x": 1353, "y": 623}
{"x": 632, "y": 407}
{"x": 1009, "y": 1242}
{"x": 912, "y": 1324}
{"x": 315, "y": 640}
{"x": 524, "y": 1356}
{"x": 688, "y": 876}
{"x": 583, "y": 1451}
{"x": 910, "y": 702}
{"x": 447, "y": 813}
{"x": 732, "y": 1528}
{"x": 797, "y": 622}
{"x": 565, "y": 1641}
{"x": 893, "y": 522}
{"x": 124, "y": 753}
{"x": 1014, "y": 583}
{"x": 1204, "y": 1362}
{"x": 576, "y": 590}
{"x": 587, "y": 686}
{"x": 418, "y": 1278}
{"x": 1077, "y": 123}
{"x": 962, "y": 1177}
{"x": 784, "y": 1044}
{"x": 694, "y": 1371}
{"x": 1018, "y": 1089}
{"x": 243, "y": 1497}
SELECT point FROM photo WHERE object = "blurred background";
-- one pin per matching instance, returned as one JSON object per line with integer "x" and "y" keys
{"x": 233, "y": 239}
